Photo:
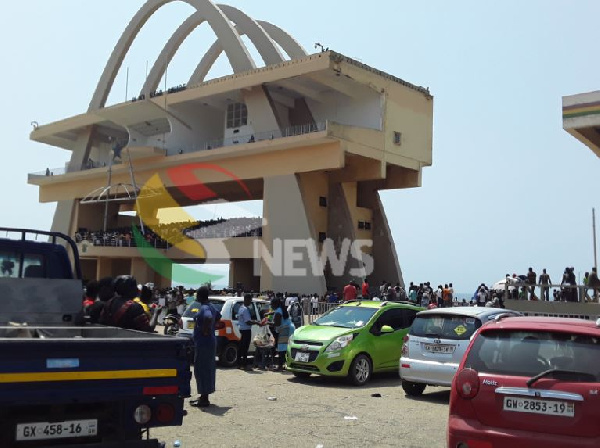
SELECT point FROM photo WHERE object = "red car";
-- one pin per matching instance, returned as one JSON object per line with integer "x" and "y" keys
{"x": 528, "y": 382}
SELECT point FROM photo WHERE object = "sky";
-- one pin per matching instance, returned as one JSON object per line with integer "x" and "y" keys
{"x": 508, "y": 188}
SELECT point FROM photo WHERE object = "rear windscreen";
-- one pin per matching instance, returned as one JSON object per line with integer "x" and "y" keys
{"x": 193, "y": 309}
{"x": 528, "y": 353}
{"x": 444, "y": 326}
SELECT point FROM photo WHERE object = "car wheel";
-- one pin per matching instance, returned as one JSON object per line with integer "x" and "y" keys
{"x": 229, "y": 355}
{"x": 301, "y": 374}
{"x": 360, "y": 370}
{"x": 413, "y": 389}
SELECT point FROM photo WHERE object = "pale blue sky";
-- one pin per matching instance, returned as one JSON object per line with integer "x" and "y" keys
{"x": 508, "y": 188}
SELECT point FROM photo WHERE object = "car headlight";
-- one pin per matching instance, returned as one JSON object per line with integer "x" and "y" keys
{"x": 339, "y": 343}
{"x": 291, "y": 340}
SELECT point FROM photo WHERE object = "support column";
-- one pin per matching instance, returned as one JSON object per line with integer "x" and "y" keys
{"x": 288, "y": 265}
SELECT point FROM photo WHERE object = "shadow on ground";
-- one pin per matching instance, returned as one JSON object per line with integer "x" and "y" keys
{"x": 378, "y": 381}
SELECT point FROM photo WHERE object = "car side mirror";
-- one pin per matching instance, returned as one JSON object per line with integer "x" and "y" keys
{"x": 386, "y": 329}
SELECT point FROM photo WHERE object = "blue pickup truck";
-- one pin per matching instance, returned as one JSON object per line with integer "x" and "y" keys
{"x": 64, "y": 383}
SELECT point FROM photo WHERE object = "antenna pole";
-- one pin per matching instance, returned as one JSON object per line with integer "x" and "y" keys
{"x": 127, "y": 85}
{"x": 594, "y": 233}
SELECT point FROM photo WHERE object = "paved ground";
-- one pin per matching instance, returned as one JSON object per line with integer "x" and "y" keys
{"x": 312, "y": 412}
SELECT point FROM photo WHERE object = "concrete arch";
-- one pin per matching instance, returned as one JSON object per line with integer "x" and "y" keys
{"x": 234, "y": 47}
{"x": 290, "y": 45}
{"x": 245, "y": 25}
{"x": 169, "y": 50}
{"x": 293, "y": 49}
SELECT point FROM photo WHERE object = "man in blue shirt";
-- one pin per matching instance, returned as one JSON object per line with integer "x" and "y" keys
{"x": 245, "y": 323}
{"x": 205, "y": 348}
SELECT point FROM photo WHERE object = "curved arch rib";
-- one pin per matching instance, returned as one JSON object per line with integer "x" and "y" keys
{"x": 293, "y": 49}
{"x": 245, "y": 25}
{"x": 290, "y": 45}
{"x": 234, "y": 47}
{"x": 166, "y": 55}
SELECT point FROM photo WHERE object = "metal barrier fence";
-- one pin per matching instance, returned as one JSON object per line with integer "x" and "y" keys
{"x": 312, "y": 311}
{"x": 552, "y": 292}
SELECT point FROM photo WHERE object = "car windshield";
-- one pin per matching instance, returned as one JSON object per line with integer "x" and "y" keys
{"x": 529, "y": 353}
{"x": 445, "y": 326}
{"x": 346, "y": 317}
{"x": 195, "y": 307}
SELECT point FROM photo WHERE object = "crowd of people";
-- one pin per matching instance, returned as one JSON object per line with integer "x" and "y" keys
{"x": 523, "y": 287}
{"x": 164, "y": 236}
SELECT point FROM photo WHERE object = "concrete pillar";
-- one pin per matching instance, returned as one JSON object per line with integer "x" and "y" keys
{"x": 103, "y": 268}
{"x": 287, "y": 264}
{"x": 242, "y": 271}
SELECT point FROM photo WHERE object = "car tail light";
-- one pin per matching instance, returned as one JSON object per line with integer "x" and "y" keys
{"x": 142, "y": 414}
{"x": 467, "y": 383}
{"x": 165, "y": 413}
{"x": 180, "y": 322}
{"x": 405, "y": 346}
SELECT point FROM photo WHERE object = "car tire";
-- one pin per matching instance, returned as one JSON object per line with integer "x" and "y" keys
{"x": 360, "y": 370}
{"x": 413, "y": 389}
{"x": 228, "y": 356}
{"x": 301, "y": 374}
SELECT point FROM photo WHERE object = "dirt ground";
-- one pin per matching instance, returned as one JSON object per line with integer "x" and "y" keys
{"x": 314, "y": 412}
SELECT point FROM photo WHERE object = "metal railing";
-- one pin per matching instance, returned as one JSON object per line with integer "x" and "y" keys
{"x": 291, "y": 131}
{"x": 64, "y": 169}
{"x": 552, "y": 292}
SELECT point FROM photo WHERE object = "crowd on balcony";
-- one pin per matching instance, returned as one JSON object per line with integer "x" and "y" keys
{"x": 163, "y": 236}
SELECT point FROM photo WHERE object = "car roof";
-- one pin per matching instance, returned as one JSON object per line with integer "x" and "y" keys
{"x": 469, "y": 311}
{"x": 376, "y": 304}
{"x": 226, "y": 298}
{"x": 539, "y": 323}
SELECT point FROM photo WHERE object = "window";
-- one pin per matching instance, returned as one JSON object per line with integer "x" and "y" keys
{"x": 527, "y": 353}
{"x": 10, "y": 265}
{"x": 445, "y": 326}
{"x": 398, "y": 138}
{"x": 322, "y": 201}
{"x": 395, "y": 318}
{"x": 237, "y": 115}
{"x": 367, "y": 226}
{"x": 236, "y": 310}
{"x": 361, "y": 225}
{"x": 322, "y": 237}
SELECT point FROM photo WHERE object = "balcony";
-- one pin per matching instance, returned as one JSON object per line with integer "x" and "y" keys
{"x": 291, "y": 131}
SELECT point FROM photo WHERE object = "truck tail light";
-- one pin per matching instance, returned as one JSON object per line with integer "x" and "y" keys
{"x": 142, "y": 414}
{"x": 405, "y": 346}
{"x": 467, "y": 383}
{"x": 165, "y": 413}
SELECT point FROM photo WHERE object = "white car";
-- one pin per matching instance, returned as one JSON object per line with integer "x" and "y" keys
{"x": 436, "y": 343}
{"x": 228, "y": 338}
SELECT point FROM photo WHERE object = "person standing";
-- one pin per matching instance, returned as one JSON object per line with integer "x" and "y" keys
{"x": 365, "y": 290}
{"x": 283, "y": 327}
{"x": 594, "y": 283}
{"x": 245, "y": 323}
{"x": 545, "y": 283}
{"x": 205, "y": 348}
{"x": 349, "y": 292}
{"x": 531, "y": 280}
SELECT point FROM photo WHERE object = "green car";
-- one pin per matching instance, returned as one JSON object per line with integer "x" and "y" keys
{"x": 352, "y": 340}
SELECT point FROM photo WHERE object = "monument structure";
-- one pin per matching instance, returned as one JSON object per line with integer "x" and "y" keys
{"x": 315, "y": 137}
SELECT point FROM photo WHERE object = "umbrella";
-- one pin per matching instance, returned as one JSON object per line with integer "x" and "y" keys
{"x": 500, "y": 285}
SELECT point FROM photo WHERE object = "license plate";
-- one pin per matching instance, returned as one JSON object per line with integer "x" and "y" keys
{"x": 190, "y": 325}
{"x": 545, "y": 407}
{"x": 59, "y": 430}
{"x": 302, "y": 356}
{"x": 437, "y": 348}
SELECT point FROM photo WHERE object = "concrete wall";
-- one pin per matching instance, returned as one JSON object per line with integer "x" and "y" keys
{"x": 407, "y": 111}
{"x": 365, "y": 110}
